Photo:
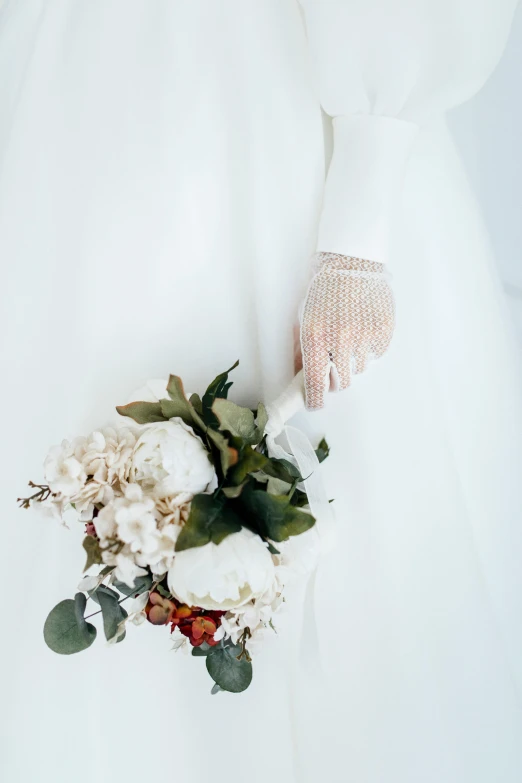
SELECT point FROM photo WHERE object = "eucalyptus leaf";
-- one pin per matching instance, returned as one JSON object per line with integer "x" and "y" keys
{"x": 202, "y": 651}
{"x": 141, "y": 585}
{"x": 102, "y": 589}
{"x": 216, "y": 689}
{"x": 227, "y": 671}
{"x": 112, "y": 613}
{"x": 142, "y": 412}
{"x": 93, "y": 552}
{"x": 65, "y": 631}
{"x": 210, "y": 519}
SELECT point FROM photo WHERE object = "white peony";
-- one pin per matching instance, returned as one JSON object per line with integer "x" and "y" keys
{"x": 63, "y": 470}
{"x": 169, "y": 459}
{"x": 223, "y": 576}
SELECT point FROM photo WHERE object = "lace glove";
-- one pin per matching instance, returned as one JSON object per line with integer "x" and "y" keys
{"x": 348, "y": 319}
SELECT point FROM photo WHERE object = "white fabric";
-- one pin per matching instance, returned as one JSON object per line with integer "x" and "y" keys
{"x": 364, "y": 184}
{"x": 161, "y": 180}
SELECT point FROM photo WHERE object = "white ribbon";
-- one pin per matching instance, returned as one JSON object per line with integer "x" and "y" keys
{"x": 302, "y": 456}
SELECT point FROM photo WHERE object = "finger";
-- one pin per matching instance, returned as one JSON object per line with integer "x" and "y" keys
{"x": 361, "y": 357}
{"x": 341, "y": 359}
{"x": 380, "y": 344}
{"x": 316, "y": 365}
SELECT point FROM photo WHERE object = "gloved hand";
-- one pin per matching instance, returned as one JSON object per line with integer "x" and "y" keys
{"x": 348, "y": 320}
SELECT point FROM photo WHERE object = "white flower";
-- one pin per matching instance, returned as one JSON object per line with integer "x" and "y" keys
{"x": 135, "y": 522}
{"x": 107, "y": 454}
{"x": 179, "y": 642}
{"x": 170, "y": 459}
{"x": 223, "y": 576}
{"x": 126, "y": 569}
{"x": 136, "y": 609}
{"x": 63, "y": 471}
{"x": 162, "y": 557}
{"x": 105, "y": 524}
{"x": 54, "y": 507}
{"x": 89, "y": 583}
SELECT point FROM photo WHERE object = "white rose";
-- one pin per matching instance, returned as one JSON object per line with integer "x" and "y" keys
{"x": 221, "y": 576}
{"x": 169, "y": 458}
{"x": 63, "y": 472}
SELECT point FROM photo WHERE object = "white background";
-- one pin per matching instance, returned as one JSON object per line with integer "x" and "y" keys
{"x": 488, "y": 131}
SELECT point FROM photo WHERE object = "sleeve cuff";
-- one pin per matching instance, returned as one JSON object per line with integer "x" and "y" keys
{"x": 363, "y": 185}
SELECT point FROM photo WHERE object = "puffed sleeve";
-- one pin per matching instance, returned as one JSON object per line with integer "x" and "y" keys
{"x": 383, "y": 68}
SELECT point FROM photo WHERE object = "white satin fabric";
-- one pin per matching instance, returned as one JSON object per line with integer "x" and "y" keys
{"x": 161, "y": 182}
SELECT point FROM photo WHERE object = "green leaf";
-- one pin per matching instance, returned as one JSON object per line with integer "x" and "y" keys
{"x": 240, "y": 422}
{"x": 102, "y": 588}
{"x": 272, "y": 549}
{"x": 142, "y": 412}
{"x": 227, "y": 671}
{"x": 250, "y": 461}
{"x": 275, "y": 516}
{"x": 261, "y": 421}
{"x": 195, "y": 401}
{"x": 93, "y": 552}
{"x": 202, "y": 651}
{"x": 234, "y": 419}
{"x": 234, "y": 492}
{"x": 163, "y": 591}
{"x": 276, "y": 486}
{"x": 112, "y": 613}
{"x": 218, "y": 388}
{"x": 141, "y": 585}
{"x": 210, "y": 519}
{"x": 228, "y": 455}
{"x": 178, "y": 405}
{"x": 65, "y": 630}
{"x": 322, "y": 451}
{"x": 216, "y": 689}
{"x": 282, "y": 469}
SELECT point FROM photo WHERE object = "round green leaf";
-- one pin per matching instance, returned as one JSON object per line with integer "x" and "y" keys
{"x": 227, "y": 671}
{"x": 113, "y": 614}
{"x": 65, "y": 630}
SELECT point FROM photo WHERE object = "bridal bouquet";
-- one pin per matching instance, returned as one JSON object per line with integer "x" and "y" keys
{"x": 187, "y": 517}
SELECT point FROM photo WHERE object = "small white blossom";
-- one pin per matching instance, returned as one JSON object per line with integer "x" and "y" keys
{"x": 179, "y": 642}
{"x": 163, "y": 556}
{"x": 63, "y": 472}
{"x": 135, "y": 522}
{"x": 89, "y": 583}
{"x": 126, "y": 569}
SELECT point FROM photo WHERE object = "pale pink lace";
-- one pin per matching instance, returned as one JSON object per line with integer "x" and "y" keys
{"x": 348, "y": 319}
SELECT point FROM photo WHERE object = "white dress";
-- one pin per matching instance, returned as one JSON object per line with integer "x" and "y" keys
{"x": 161, "y": 184}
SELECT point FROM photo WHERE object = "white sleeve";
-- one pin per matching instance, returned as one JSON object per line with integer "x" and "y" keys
{"x": 383, "y": 67}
